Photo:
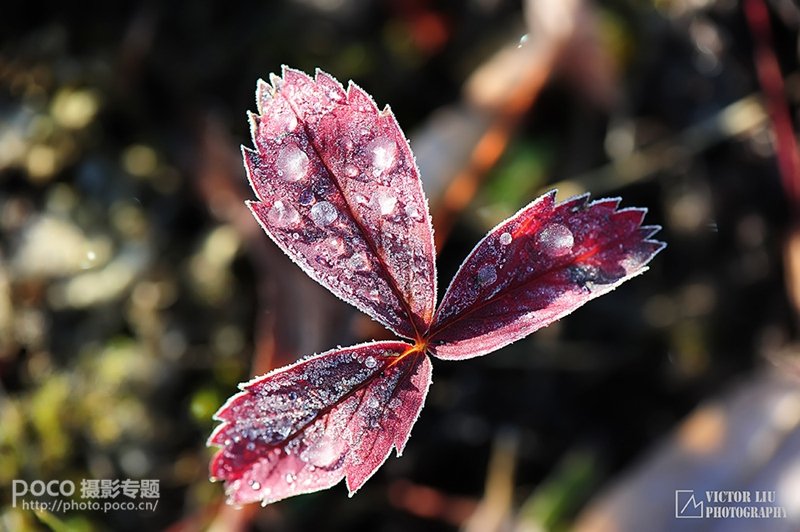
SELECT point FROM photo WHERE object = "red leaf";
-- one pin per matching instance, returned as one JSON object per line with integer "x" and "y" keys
{"x": 340, "y": 193}
{"x": 304, "y": 427}
{"x": 535, "y": 268}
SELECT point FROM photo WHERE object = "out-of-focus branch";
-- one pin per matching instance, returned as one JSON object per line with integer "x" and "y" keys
{"x": 461, "y": 143}
{"x": 739, "y": 118}
{"x": 772, "y": 85}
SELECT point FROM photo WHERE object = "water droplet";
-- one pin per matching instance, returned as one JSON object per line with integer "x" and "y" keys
{"x": 505, "y": 239}
{"x": 384, "y": 152}
{"x": 487, "y": 275}
{"x": 328, "y": 452}
{"x": 386, "y": 203}
{"x": 370, "y": 362}
{"x": 373, "y": 402}
{"x": 290, "y": 478}
{"x": 413, "y": 213}
{"x": 522, "y": 41}
{"x": 350, "y": 170}
{"x": 323, "y": 213}
{"x": 251, "y": 447}
{"x": 358, "y": 262}
{"x": 256, "y": 485}
{"x": 282, "y": 215}
{"x": 306, "y": 197}
{"x": 556, "y": 239}
{"x": 292, "y": 163}
{"x": 361, "y": 199}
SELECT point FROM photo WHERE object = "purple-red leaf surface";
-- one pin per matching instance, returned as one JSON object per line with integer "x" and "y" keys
{"x": 339, "y": 192}
{"x": 536, "y": 267}
{"x": 304, "y": 427}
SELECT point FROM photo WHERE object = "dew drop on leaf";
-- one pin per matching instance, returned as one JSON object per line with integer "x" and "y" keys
{"x": 326, "y": 452}
{"x": 413, "y": 213}
{"x": 292, "y": 163}
{"x": 290, "y": 477}
{"x": 323, "y": 213}
{"x": 487, "y": 275}
{"x": 370, "y": 362}
{"x": 383, "y": 151}
{"x": 386, "y": 203}
{"x": 556, "y": 240}
{"x": 256, "y": 485}
{"x": 505, "y": 239}
{"x": 350, "y": 170}
{"x": 358, "y": 262}
{"x": 282, "y": 215}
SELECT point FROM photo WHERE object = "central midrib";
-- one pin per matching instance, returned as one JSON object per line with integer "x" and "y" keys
{"x": 367, "y": 237}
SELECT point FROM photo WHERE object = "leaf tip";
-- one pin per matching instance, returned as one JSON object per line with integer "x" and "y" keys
{"x": 293, "y": 75}
{"x": 660, "y": 246}
{"x": 276, "y": 81}
{"x": 359, "y": 98}
{"x": 264, "y": 93}
{"x": 322, "y": 76}
{"x": 578, "y": 202}
{"x": 611, "y": 202}
{"x": 648, "y": 231}
{"x": 252, "y": 119}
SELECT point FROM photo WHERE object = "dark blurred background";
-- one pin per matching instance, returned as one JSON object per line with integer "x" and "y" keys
{"x": 136, "y": 290}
